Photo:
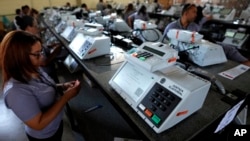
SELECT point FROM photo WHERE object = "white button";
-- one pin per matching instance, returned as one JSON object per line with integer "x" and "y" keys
{"x": 142, "y": 107}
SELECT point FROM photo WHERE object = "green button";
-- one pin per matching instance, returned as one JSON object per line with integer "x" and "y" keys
{"x": 142, "y": 58}
{"x": 156, "y": 119}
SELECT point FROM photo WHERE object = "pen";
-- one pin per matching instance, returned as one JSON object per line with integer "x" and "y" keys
{"x": 92, "y": 108}
{"x": 227, "y": 75}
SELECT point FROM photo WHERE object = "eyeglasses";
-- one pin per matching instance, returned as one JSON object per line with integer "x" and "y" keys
{"x": 38, "y": 54}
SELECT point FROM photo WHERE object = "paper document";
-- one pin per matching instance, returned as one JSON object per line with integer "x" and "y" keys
{"x": 228, "y": 118}
{"x": 234, "y": 72}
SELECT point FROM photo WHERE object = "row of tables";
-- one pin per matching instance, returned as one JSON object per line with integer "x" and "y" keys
{"x": 213, "y": 109}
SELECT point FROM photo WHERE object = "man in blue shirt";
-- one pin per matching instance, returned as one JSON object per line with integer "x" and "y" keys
{"x": 186, "y": 22}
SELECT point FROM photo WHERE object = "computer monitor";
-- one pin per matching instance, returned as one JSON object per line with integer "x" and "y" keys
{"x": 77, "y": 43}
{"x": 225, "y": 11}
{"x": 133, "y": 80}
{"x": 216, "y": 10}
{"x": 121, "y": 26}
{"x": 230, "y": 33}
{"x": 65, "y": 34}
{"x": 69, "y": 33}
{"x": 239, "y": 36}
{"x": 245, "y": 14}
{"x": 61, "y": 26}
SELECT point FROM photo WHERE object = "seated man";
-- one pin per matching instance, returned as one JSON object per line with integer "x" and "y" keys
{"x": 186, "y": 22}
{"x": 81, "y": 12}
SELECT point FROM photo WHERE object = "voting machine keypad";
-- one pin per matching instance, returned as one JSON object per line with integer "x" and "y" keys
{"x": 142, "y": 55}
{"x": 158, "y": 104}
{"x": 146, "y": 57}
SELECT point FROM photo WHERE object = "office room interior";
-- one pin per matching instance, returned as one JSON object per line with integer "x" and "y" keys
{"x": 177, "y": 70}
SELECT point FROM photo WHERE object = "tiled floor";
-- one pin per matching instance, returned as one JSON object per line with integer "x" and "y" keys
{"x": 11, "y": 128}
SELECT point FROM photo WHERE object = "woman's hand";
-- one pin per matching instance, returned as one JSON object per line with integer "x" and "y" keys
{"x": 72, "y": 88}
{"x": 67, "y": 85}
{"x": 54, "y": 45}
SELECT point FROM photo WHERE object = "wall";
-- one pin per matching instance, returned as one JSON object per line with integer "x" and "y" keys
{"x": 166, "y": 3}
{"x": 92, "y": 3}
{"x": 8, "y": 6}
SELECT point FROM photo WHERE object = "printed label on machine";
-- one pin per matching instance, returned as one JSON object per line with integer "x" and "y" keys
{"x": 134, "y": 80}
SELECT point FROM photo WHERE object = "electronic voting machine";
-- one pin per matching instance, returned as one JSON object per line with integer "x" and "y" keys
{"x": 224, "y": 14}
{"x": 87, "y": 47}
{"x": 200, "y": 51}
{"x": 69, "y": 33}
{"x": 235, "y": 38}
{"x": 161, "y": 98}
